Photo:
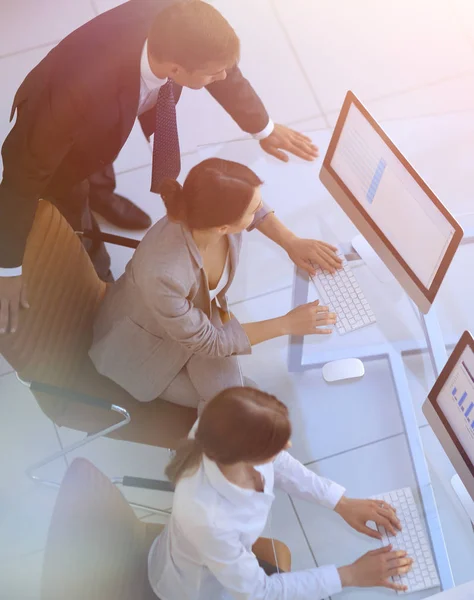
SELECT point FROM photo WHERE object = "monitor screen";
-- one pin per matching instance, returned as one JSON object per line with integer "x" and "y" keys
{"x": 391, "y": 197}
{"x": 455, "y": 400}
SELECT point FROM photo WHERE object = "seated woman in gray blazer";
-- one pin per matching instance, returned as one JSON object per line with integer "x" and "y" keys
{"x": 164, "y": 329}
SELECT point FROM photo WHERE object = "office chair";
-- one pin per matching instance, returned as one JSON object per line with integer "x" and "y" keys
{"x": 98, "y": 549}
{"x": 49, "y": 351}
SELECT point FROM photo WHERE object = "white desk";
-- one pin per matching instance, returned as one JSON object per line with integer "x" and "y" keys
{"x": 400, "y": 330}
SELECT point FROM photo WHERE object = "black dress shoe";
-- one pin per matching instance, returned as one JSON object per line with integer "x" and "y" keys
{"x": 121, "y": 212}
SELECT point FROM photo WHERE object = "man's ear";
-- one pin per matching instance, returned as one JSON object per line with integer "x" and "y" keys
{"x": 175, "y": 69}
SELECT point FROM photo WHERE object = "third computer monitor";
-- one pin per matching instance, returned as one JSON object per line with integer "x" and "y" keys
{"x": 449, "y": 410}
{"x": 392, "y": 207}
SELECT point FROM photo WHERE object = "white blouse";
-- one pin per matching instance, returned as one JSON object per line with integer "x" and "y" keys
{"x": 205, "y": 551}
{"x": 223, "y": 280}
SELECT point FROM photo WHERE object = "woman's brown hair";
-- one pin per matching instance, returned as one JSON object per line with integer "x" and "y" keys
{"x": 240, "y": 424}
{"x": 216, "y": 192}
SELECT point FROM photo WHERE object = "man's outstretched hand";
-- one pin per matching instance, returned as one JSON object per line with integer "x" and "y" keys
{"x": 283, "y": 138}
{"x": 12, "y": 297}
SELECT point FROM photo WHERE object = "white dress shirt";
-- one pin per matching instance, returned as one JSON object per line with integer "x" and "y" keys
{"x": 150, "y": 86}
{"x": 205, "y": 551}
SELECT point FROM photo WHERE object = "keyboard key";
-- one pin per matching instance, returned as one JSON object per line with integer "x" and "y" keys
{"x": 413, "y": 540}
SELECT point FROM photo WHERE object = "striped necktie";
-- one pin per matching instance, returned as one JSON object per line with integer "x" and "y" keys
{"x": 166, "y": 156}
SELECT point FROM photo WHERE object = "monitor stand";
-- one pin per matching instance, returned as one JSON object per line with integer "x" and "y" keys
{"x": 464, "y": 497}
{"x": 371, "y": 259}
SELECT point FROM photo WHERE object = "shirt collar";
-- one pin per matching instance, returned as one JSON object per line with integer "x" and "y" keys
{"x": 149, "y": 78}
{"x": 223, "y": 486}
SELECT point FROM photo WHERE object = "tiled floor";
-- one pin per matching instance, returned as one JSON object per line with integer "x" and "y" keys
{"x": 412, "y": 63}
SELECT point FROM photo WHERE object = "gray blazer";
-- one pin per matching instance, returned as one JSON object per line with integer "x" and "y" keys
{"x": 159, "y": 313}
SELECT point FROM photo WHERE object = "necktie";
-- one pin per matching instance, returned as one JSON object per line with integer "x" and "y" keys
{"x": 166, "y": 156}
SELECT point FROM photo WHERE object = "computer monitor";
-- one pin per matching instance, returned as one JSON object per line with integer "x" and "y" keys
{"x": 392, "y": 207}
{"x": 449, "y": 410}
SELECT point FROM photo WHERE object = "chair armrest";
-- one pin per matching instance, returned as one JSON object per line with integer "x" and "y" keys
{"x": 149, "y": 484}
{"x": 52, "y": 390}
{"x": 109, "y": 238}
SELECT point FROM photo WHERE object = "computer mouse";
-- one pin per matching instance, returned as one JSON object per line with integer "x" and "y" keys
{"x": 346, "y": 368}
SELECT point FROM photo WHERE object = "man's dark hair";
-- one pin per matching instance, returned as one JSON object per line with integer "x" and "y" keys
{"x": 193, "y": 34}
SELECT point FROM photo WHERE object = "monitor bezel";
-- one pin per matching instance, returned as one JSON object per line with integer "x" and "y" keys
{"x": 466, "y": 341}
{"x": 431, "y": 292}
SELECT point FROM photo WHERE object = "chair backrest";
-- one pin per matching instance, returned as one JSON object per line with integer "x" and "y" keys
{"x": 52, "y": 343}
{"x": 96, "y": 549}
{"x": 64, "y": 292}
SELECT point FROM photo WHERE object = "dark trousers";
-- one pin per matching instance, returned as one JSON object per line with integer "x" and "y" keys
{"x": 75, "y": 205}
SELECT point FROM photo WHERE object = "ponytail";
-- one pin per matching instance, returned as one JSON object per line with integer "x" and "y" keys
{"x": 186, "y": 460}
{"x": 172, "y": 193}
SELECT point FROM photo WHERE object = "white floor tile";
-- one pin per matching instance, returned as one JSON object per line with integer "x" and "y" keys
{"x": 308, "y": 125}
{"x": 27, "y": 436}
{"x": 103, "y": 5}
{"x": 357, "y": 46}
{"x": 365, "y": 411}
{"x": 21, "y": 578}
{"x": 448, "y": 96}
{"x": 27, "y": 24}
{"x": 464, "y": 12}
{"x": 24, "y": 522}
{"x": 373, "y": 469}
{"x": 440, "y": 148}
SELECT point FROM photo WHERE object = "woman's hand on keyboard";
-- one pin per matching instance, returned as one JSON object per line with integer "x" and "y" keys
{"x": 307, "y": 254}
{"x": 375, "y": 569}
{"x": 357, "y": 512}
{"x": 308, "y": 318}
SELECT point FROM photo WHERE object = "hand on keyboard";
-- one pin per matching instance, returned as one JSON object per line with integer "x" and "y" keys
{"x": 375, "y": 569}
{"x": 342, "y": 293}
{"x": 306, "y": 254}
{"x": 308, "y": 318}
{"x": 413, "y": 539}
{"x": 357, "y": 512}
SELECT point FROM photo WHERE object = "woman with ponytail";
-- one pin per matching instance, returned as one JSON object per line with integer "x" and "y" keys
{"x": 224, "y": 480}
{"x": 164, "y": 329}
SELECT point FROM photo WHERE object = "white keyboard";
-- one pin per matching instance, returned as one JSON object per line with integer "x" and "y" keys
{"x": 413, "y": 539}
{"x": 342, "y": 293}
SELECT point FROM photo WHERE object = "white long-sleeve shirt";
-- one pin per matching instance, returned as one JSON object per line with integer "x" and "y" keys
{"x": 205, "y": 551}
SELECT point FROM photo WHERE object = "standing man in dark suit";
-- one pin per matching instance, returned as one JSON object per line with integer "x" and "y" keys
{"x": 76, "y": 109}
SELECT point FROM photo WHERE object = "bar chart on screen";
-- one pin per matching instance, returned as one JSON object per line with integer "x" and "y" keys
{"x": 465, "y": 404}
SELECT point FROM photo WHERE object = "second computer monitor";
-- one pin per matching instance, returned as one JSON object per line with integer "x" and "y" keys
{"x": 392, "y": 207}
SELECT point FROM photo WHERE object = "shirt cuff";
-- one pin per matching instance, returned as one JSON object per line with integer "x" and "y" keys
{"x": 259, "y": 216}
{"x": 10, "y": 272}
{"x": 334, "y": 494}
{"x": 261, "y": 135}
{"x": 330, "y": 579}
{"x": 242, "y": 342}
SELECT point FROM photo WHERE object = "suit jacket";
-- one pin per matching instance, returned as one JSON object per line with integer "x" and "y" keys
{"x": 76, "y": 108}
{"x": 159, "y": 313}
